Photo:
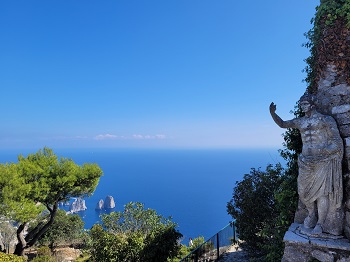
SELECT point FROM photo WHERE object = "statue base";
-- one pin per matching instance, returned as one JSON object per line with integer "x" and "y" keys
{"x": 302, "y": 246}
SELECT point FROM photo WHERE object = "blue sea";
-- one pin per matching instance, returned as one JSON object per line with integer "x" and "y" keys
{"x": 191, "y": 186}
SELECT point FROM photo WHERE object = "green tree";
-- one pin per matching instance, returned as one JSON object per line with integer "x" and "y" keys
{"x": 39, "y": 182}
{"x": 253, "y": 206}
{"x": 136, "y": 234}
{"x": 64, "y": 230}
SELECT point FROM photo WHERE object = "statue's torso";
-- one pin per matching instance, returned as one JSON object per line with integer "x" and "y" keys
{"x": 315, "y": 135}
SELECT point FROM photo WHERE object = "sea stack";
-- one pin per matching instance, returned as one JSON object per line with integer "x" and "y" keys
{"x": 109, "y": 202}
{"x": 100, "y": 205}
{"x": 77, "y": 205}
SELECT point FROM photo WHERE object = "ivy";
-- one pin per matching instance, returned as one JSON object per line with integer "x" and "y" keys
{"x": 330, "y": 14}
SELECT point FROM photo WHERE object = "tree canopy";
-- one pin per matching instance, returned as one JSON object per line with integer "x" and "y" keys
{"x": 39, "y": 182}
{"x": 136, "y": 234}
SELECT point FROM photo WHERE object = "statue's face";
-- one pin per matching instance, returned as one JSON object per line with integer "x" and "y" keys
{"x": 305, "y": 106}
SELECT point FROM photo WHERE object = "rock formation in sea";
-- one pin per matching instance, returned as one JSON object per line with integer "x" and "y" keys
{"x": 99, "y": 205}
{"x": 109, "y": 202}
{"x": 77, "y": 205}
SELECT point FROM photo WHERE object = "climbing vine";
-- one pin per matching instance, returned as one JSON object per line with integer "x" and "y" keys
{"x": 329, "y": 42}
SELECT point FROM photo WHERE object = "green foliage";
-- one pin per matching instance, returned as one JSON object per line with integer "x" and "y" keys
{"x": 253, "y": 206}
{"x": 186, "y": 250}
{"x": 44, "y": 255}
{"x": 196, "y": 243}
{"x": 108, "y": 247}
{"x": 15, "y": 195}
{"x": 39, "y": 182}
{"x": 327, "y": 14}
{"x": 136, "y": 234}
{"x": 44, "y": 251}
{"x": 332, "y": 10}
{"x": 11, "y": 258}
{"x": 183, "y": 252}
{"x": 65, "y": 230}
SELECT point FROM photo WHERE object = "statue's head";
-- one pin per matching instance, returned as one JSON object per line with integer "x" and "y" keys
{"x": 307, "y": 98}
{"x": 307, "y": 102}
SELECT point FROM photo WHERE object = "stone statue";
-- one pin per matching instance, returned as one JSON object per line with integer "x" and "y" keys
{"x": 320, "y": 185}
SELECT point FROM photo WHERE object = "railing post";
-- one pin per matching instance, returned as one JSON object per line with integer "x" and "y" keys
{"x": 217, "y": 246}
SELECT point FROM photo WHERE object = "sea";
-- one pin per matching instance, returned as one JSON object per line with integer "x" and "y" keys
{"x": 192, "y": 186}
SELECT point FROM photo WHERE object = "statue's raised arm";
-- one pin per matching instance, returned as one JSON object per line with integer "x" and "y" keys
{"x": 278, "y": 120}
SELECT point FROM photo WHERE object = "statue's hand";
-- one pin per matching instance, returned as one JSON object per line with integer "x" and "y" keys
{"x": 272, "y": 108}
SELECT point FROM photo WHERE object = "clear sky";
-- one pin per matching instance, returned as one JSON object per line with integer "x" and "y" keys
{"x": 149, "y": 73}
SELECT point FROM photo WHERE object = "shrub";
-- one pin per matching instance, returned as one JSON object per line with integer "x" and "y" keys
{"x": 11, "y": 258}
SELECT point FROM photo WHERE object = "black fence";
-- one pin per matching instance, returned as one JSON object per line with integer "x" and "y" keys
{"x": 214, "y": 247}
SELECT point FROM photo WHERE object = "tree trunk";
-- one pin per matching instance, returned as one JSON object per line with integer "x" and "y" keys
{"x": 21, "y": 245}
{"x": 33, "y": 236}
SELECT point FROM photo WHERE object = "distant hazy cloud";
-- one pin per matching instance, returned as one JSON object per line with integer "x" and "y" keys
{"x": 135, "y": 137}
{"x": 105, "y": 136}
{"x": 149, "y": 136}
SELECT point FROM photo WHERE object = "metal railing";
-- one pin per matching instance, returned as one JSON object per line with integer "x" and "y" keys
{"x": 214, "y": 247}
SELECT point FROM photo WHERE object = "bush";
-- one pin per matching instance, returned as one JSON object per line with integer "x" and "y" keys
{"x": 11, "y": 258}
{"x": 253, "y": 206}
{"x": 44, "y": 251}
{"x": 136, "y": 234}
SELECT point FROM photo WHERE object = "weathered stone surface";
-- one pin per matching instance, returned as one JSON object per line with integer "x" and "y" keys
{"x": 109, "y": 202}
{"x": 343, "y": 118}
{"x": 347, "y": 157}
{"x": 344, "y": 130}
{"x": 347, "y": 217}
{"x": 322, "y": 256}
{"x": 299, "y": 247}
{"x": 343, "y": 259}
{"x": 99, "y": 205}
{"x": 347, "y": 141}
{"x": 329, "y": 78}
{"x": 335, "y": 221}
{"x": 292, "y": 253}
{"x": 301, "y": 213}
{"x": 340, "y": 109}
{"x": 347, "y": 231}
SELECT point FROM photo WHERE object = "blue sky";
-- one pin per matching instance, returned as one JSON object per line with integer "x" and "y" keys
{"x": 155, "y": 73}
